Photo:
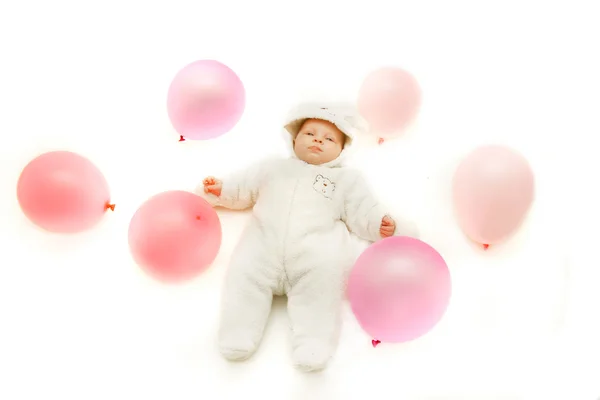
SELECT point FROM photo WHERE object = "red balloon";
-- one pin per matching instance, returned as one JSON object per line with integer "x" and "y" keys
{"x": 175, "y": 235}
{"x": 63, "y": 192}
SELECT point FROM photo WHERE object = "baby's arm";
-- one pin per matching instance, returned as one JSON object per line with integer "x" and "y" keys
{"x": 367, "y": 217}
{"x": 238, "y": 191}
{"x": 362, "y": 213}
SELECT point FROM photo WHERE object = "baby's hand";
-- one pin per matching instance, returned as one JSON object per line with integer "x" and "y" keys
{"x": 212, "y": 185}
{"x": 387, "y": 228}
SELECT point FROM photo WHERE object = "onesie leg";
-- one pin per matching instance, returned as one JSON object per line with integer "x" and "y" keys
{"x": 247, "y": 299}
{"x": 314, "y": 306}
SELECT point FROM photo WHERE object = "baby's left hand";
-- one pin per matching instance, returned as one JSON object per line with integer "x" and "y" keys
{"x": 387, "y": 228}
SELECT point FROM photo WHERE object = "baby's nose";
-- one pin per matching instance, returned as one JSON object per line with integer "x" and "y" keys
{"x": 316, "y": 139}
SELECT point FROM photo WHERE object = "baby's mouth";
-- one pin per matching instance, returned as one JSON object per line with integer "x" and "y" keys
{"x": 315, "y": 148}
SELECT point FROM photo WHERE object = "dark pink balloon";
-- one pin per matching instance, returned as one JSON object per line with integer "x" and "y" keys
{"x": 399, "y": 289}
{"x": 175, "y": 235}
{"x": 63, "y": 192}
{"x": 205, "y": 99}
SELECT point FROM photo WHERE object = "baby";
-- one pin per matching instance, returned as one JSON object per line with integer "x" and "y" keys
{"x": 297, "y": 241}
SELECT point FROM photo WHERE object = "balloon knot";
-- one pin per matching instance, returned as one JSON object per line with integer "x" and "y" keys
{"x": 486, "y": 246}
{"x": 375, "y": 342}
{"x": 380, "y": 141}
{"x": 198, "y": 217}
{"x": 181, "y": 138}
{"x": 109, "y": 206}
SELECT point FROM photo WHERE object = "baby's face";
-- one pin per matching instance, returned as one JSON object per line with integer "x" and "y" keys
{"x": 318, "y": 142}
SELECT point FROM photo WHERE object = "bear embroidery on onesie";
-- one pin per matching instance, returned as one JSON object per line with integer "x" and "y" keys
{"x": 324, "y": 186}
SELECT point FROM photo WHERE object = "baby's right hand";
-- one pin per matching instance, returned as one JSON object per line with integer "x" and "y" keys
{"x": 212, "y": 185}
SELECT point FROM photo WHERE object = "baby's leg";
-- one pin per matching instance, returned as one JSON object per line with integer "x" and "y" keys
{"x": 247, "y": 298}
{"x": 314, "y": 306}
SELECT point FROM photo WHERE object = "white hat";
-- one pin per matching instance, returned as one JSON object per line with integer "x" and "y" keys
{"x": 344, "y": 116}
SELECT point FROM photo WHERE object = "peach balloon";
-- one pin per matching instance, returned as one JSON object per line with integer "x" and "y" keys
{"x": 175, "y": 235}
{"x": 389, "y": 100}
{"x": 493, "y": 190}
{"x": 63, "y": 192}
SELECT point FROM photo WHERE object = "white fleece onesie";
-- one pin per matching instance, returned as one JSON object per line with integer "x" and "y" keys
{"x": 296, "y": 244}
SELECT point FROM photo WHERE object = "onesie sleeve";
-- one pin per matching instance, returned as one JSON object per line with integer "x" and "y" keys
{"x": 240, "y": 189}
{"x": 362, "y": 211}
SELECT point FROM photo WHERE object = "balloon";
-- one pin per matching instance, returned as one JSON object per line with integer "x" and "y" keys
{"x": 63, "y": 192}
{"x": 493, "y": 189}
{"x": 389, "y": 99}
{"x": 175, "y": 235}
{"x": 205, "y": 99}
{"x": 399, "y": 289}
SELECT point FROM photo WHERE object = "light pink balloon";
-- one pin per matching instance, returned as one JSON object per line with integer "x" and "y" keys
{"x": 205, "y": 99}
{"x": 493, "y": 189}
{"x": 175, "y": 235}
{"x": 63, "y": 192}
{"x": 389, "y": 100}
{"x": 399, "y": 289}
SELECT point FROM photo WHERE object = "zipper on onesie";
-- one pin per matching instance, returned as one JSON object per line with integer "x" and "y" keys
{"x": 286, "y": 280}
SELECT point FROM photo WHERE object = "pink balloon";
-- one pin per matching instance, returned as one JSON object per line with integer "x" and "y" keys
{"x": 63, "y": 192}
{"x": 389, "y": 100}
{"x": 399, "y": 289}
{"x": 205, "y": 99}
{"x": 175, "y": 235}
{"x": 493, "y": 190}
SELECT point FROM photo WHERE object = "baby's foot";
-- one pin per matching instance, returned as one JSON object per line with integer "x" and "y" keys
{"x": 312, "y": 356}
{"x": 236, "y": 347}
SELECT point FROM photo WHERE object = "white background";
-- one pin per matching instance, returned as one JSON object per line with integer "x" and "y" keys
{"x": 79, "y": 320}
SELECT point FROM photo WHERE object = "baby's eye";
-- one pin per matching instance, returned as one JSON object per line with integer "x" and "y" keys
{"x": 309, "y": 134}
{"x": 330, "y": 139}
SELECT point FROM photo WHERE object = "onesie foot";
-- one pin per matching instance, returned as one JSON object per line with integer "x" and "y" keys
{"x": 312, "y": 356}
{"x": 237, "y": 348}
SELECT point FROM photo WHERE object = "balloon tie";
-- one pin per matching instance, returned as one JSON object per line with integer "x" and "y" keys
{"x": 375, "y": 342}
{"x": 181, "y": 138}
{"x": 380, "y": 141}
{"x": 109, "y": 206}
{"x": 486, "y": 246}
{"x": 198, "y": 217}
